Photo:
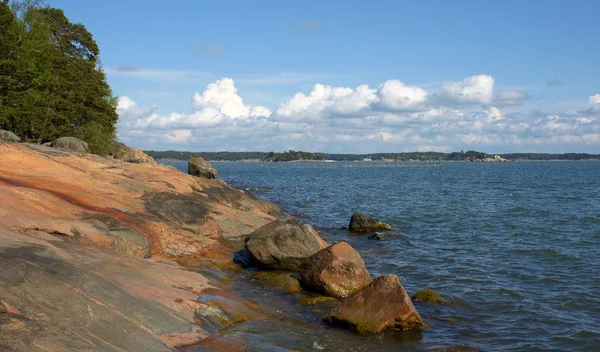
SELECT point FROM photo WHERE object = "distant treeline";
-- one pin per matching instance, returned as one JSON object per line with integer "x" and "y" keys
{"x": 292, "y": 155}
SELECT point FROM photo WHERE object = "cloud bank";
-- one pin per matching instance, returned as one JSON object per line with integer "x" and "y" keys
{"x": 391, "y": 117}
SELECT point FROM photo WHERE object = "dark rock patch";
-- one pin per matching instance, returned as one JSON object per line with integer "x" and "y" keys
{"x": 361, "y": 223}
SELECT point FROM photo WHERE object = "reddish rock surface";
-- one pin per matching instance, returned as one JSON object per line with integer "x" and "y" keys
{"x": 284, "y": 244}
{"x": 74, "y": 232}
{"x": 382, "y": 305}
{"x": 336, "y": 271}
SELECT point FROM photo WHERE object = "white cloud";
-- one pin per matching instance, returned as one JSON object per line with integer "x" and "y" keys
{"x": 477, "y": 89}
{"x": 393, "y": 117}
{"x": 326, "y": 100}
{"x": 395, "y": 95}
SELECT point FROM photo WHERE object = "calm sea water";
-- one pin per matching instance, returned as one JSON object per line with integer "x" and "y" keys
{"x": 514, "y": 248}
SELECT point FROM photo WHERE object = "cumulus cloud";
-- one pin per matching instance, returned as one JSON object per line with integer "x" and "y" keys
{"x": 392, "y": 117}
{"x": 217, "y": 104}
{"x": 325, "y": 101}
{"x": 395, "y": 95}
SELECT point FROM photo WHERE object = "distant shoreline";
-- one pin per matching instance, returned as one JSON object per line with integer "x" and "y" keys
{"x": 373, "y": 161}
{"x": 300, "y": 156}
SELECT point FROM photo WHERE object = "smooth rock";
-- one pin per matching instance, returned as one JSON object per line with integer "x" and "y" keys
{"x": 8, "y": 136}
{"x": 284, "y": 244}
{"x": 201, "y": 168}
{"x": 360, "y": 222}
{"x": 382, "y": 305}
{"x": 71, "y": 143}
{"x": 336, "y": 271}
{"x": 428, "y": 296}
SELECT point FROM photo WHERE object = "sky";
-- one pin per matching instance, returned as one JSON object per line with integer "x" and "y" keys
{"x": 351, "y": 76}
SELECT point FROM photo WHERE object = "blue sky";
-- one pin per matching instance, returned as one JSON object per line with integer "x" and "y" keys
{"x": 496, "y": 76}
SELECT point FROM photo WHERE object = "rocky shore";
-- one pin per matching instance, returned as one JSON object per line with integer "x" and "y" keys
{"x": 112, "y": 255}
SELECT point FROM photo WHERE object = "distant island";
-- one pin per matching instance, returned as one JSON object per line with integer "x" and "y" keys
{"x": 292, "y": 155}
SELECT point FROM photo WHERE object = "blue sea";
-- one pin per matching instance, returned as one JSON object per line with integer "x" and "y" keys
{"x": 513, "y": 247}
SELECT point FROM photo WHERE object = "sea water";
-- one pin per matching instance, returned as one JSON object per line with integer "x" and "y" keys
{"x": 513, "y": 247}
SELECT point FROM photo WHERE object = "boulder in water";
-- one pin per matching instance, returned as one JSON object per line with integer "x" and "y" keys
{"x": 428, "y": 296}
{"x": 201, "y": 168}
{"x": 284, "y": 244}
{"x": 360, "y": 222}
{"x": 336, "y": 271}
{"x": 71, "y": 143}
{"x": 8, "y": 136}
{"x": 384, "y": 304}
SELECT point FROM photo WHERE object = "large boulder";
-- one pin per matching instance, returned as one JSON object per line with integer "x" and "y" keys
{"x": 336, "y": 271}
{"x": 360, "y": 222}
{"x": 8, "y": 136}
{"x": 71, "y": 143}
{"x": 284, "y": 244}
{"x": 201, "y": 168}
{"x": 384, "y": 304}
{"x": 132, "y": 155}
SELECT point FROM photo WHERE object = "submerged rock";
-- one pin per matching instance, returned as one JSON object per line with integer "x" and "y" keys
{"x": 428, "y": 296}
{"x": 360, "y": 222}
{"x": 375, "y": 237}
{"x": 278, "y": 280}
{"x": 71, "y": 143}
{"x": 8, "y": 136}
{"x": 311, "y": 301}
{"x": 284, "y": 244}
{"x": 382, "y": 305}
{"x": 201, "y": 168}
{"x": 337, "y": 271}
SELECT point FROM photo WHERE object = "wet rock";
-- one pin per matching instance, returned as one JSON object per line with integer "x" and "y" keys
{"x": 384, "y": 304}
{"x": 428, "y": 296}
{"x": 375, "y": 237}
{"x": 360, "y": 222}
{"x": 201, "y": 168}
{"x": 131, "y": 155}
{"x": 278, "y": 280}
{"x": 8, "y": 136}
{"x": 284, "y": 244}
{"x": 311, "y": 301}
{"x": 71, "y": 143}
{"x": 336, "y": 271}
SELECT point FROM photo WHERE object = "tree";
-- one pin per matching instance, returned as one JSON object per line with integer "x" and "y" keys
{"x": 56, "y": 86}
{"x": 9, "y": 47}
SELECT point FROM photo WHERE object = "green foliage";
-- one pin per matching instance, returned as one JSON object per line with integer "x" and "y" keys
{"x": 55, "y": 86}
{"x": 292, "y": 155}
